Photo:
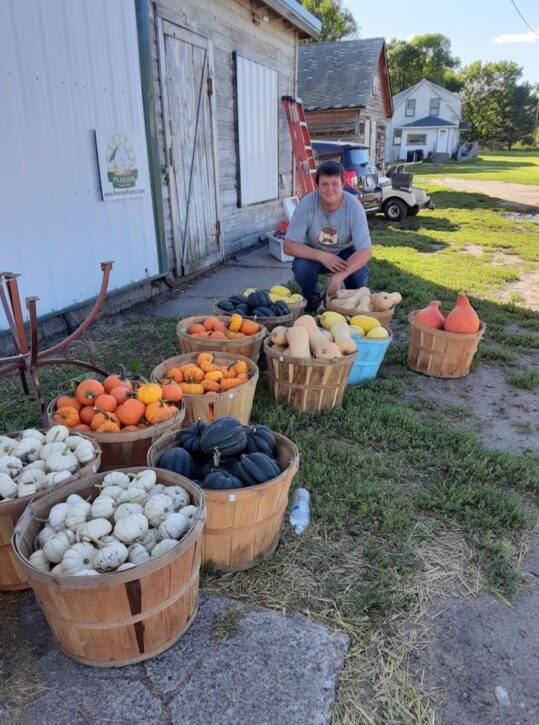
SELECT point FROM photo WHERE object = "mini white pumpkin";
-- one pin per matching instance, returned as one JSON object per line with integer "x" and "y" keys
{"x": 125, "y": 566}
{"x": 10, "y": 465}
{"x": 173, "y": 526}
{"x": 32, "y": 475}
{"x": 117, "y": 478}
{"x": 76, "y": 516}
{"x": 44, "y": 535}
{"x": 57, "y": 569}
{"x": 26, "y": 446}
{"x": 131, "y": 527}
{"x": 57, "y": 515}
{"x": 39, "y": 560}
{"x": 56, "y": 433}
{"x": 189, "y": 512}
{"x": 138, "y": 554}
{"x": 157, "y": 508}
{"x": 158, "y": 488}
{"x": 56, "y": 546}
{"x": 84, "y": 451}
{"x": 144, "y": 480}
{"x": 127, "y": 509}
{"x": 87, "y": 572}
{"x": 56, "y": 477}
{"x": 7, "y": 445}
{"x": 76, "y": 500}
{"x": 27, "y": 489}
{"x": 112, "y": 491}
{"x": 163, "y": 547}
{"x": 110, "y": 557}
{"x": 178, "y": 495}
{"x": 37, "y": 464}
{"x": 94, "y": 529}
{"x": 72, "y": 441}
{"x": 133, "y": 495}
{"x": 33, "y": 433}
{"x": 102, "y": 507}
{"x": 149, "y": 540}
{"x": 8, "y": 487}
{"x": 62, "y": 461}
{"x": 78, "y": 558}
{"x": 49, "y": 448}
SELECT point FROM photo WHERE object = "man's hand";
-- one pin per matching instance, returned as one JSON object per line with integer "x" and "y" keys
{"x": 334, "y": 284}
{"x": 332, "y": 262}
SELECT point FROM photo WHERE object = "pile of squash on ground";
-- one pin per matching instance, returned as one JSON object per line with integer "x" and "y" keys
{"x": 205, "y": 376}
{"x": 117, "y": 405}
{"x": 224, "y": 454}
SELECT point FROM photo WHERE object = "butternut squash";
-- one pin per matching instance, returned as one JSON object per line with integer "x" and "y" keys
{"x": 278, "y": 335}
{"x": 279, "y": 348}
{"x": 343, "y": 338}
{"x": 327, "y": 351}
{"x": 298, "y": 341}
{"x": 327, "y": 334}
{"x": 382, "y": 301}
{"x": 361, "y": 292}
{"x": 321, "y": 348}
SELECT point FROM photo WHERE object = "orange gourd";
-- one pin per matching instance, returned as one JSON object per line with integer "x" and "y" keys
{"x": 192, "y": 388}
{"x": 129, "y": 428}
{"x": 108, "y": 426}
{"x": 102, "y": 417}
{"x": 210, "y": 386}
{"x": 248, "y": 327}
{"x": 217, "y": 335}
{"x": 194, "y": 375}
{"x": 187, "y": 366}
{"x": 210, "y": 323}
{"x": 112, "y": 381}
{"x": 88, "y": 390}
{"x": 243, "y": 378}
{"x": 66, "y": 401}
{"x": 158, "y": 411}
{"x": 81, "y": 427}
{"x": 195, "y": 329}
{"x": 430, "y": 316}
{"x": 67, "y": 415}
{"x": 120, "y": 394}
{"x": 149, "y": 393}
{"x": 462, "y": 318}
{"x": 172, "y": 392}
{"x": 214, "y": 375}
{"x": 86, "y": 414}
{"x": 130, "y": 412}
{"x": 106, "y": 402}
{"x": 229, "y": 373}
{"x": 235, "y": 322}
{"x": 228, "y": 384}
{"x": 204, "y": 357}
{"x": 240, "y": 367}
{"x": 176, "y": 374}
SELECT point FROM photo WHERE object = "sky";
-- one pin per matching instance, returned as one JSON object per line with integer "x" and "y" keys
{"x": 478, "y": 29}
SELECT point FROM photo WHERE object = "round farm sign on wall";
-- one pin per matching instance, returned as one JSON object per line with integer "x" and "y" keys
{"x": 122, "y": 159}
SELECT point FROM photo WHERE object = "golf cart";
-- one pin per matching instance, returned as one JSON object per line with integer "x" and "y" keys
{"x": 399, "y": 197}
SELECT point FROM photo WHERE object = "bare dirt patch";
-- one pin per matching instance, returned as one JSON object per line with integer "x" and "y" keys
{"x": 523, "y": 197}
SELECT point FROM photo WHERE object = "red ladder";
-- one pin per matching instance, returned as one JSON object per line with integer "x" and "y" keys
{"x": 301, "y": 144}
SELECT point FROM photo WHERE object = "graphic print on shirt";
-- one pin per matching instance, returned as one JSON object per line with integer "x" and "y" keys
{"x": 328, "y": 236}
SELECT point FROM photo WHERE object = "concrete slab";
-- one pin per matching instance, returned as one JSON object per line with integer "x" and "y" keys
{"x": 258, "y": 270}
{"x": 237, "y": 665}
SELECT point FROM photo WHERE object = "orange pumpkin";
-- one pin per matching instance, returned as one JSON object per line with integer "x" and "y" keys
{"x": 214, "y": 375}
{"x": 81, "y": 427}
{"x": 102, "y": 417}
{"x": 210, "y": 386}
{"x": 249, "y": 327}
{"x": 195, "y": 329}
{"x": 192, "y": 388}
{"x": 130, "y": 412}
{"x": 217, "y": 335}
{"x": 86, "y": 414}
{"x": 228, "y": 384}
{"x": 172, "y": 392}
{"x": 210, "y": 322}
{"x": 129, "y": 428}
{"x": 88, "y": 390}
{"x": 203, "y": 357}
{"x": 158, "y": 411}
{"x": 462, "y": 318}
{"x": 108, "y": 426}
{"x": 176, "y": 374}
{"x": 229, "y": 373}
{"x": 220, "y": 327}
{"x": 67, "y": 415}
{"x": 66, "y": 401}
{"x": 112, "y": 381}
{"x": 240, "y": 367}
{"x": 194, "y": 375}
{"x": 120, "y": 394}
{"x": 106, "y": 402}
{"x": 243, "y": 378}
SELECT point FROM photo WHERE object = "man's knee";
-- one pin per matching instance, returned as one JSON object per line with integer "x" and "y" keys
{"x": 304, "y": 269}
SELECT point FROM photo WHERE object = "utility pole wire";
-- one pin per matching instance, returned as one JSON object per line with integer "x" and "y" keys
{"x": 513, "y": 3}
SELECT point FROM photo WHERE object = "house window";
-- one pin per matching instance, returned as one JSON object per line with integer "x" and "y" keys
{"x": 416, "y": 139}
{"x": 434, "y": 107}
{"x": 375, "y": 85}
{"x": 410, "y": 108}
{"x": 397, "y": 137}
{"x": 257, "y": 107}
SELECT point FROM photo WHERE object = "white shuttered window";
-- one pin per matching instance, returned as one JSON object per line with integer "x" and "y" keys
{"x": 257, "y": 105}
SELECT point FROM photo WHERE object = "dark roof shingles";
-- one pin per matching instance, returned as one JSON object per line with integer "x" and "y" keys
{"x": 429, "y": 121}
{"x": 337, "y": 74}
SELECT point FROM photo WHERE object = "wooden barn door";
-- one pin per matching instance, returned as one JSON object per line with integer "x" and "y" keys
{"x": 186, "y": 85}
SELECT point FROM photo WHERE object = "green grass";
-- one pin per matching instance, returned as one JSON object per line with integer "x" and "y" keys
{"x": 526, "y": 380}
{"x": 516, "y": 167}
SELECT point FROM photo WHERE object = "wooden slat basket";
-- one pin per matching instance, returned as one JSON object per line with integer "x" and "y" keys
{"x": 246, "y": 346}
{"x": 268, "y": 322}
{"x": 12, "y": 576}
{"x": 384, "y": 318}
{"x": 129, "y": 448}
{"x": 243, "y": 525}
{"x": 211, "y": 406}
{"x": 307, "y": 384}
{"x": 441, "y": 354}
{"x": 123, "y": 617}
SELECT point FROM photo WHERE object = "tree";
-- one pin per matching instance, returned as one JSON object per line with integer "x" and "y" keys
{"x": 424, "y": 56}
{"x": 337, "y": 22}
{"x": 499, "y": 109}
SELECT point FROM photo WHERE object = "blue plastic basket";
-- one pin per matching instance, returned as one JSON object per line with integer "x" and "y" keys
{"x": 370, "y": 353}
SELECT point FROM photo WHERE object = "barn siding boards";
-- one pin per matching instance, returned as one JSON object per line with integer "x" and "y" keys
{"x": 228, "y": 25}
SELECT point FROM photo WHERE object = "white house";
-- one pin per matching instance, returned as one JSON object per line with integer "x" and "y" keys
{"x": 426, "y": 121}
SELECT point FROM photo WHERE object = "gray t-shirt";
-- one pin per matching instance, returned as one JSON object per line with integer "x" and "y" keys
{"x": 330, "y": 231}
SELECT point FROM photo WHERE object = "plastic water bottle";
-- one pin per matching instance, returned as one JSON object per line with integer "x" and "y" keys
{"x": 300, "y": 513}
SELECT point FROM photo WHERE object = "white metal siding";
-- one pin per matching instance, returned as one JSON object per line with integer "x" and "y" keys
{"x": 68, "y": 67}
{"x": 258, "y": 107}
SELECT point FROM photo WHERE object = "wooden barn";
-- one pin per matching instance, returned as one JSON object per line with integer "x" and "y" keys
{"x": 346, "y": 92}
{"x": 149, "y": 132}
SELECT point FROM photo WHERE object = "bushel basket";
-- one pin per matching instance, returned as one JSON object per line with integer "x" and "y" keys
{"x": 249, "y": 346}
{"x": 268, "y": 322}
